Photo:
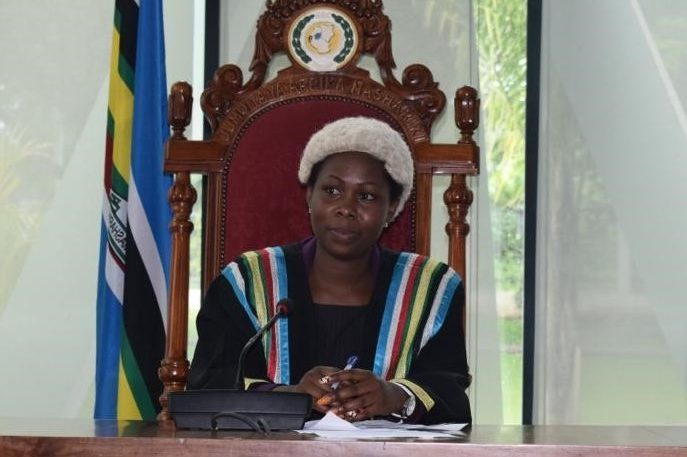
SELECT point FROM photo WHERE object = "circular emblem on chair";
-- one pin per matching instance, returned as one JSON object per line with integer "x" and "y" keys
{"x": 322, "y": 39}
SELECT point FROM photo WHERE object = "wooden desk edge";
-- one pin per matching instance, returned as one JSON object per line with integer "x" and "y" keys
{"x": 11, "y": 446}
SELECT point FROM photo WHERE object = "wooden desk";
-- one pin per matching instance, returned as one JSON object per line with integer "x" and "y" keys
{"x": 24, "y": 437}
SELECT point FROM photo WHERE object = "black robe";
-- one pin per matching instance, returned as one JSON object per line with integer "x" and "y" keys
{"x": 435, "y": 368}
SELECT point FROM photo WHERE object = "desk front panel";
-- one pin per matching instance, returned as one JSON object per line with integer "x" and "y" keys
{"x": 24, "y": 437}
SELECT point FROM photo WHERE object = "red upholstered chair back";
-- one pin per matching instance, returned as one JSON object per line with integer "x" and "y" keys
{"x": 265, "y": 202}
{"x": 259, "y": 128}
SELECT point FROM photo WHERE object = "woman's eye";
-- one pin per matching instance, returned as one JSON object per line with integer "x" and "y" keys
{"x": 331, "y": 190}
{"x": 366, "y": 196}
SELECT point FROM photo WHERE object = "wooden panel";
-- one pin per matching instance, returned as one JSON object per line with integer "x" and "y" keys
{"x": 110, "y": 438}
{"x": 194, "y": 156}
{"x": 447, "y": 158}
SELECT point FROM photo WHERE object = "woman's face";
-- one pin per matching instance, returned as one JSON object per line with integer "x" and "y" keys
{"x": 350, "y": 204}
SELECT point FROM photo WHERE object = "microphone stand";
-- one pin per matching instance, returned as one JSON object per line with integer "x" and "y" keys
{"x": 281, "y": 311}
{"x": 238, "y": 409}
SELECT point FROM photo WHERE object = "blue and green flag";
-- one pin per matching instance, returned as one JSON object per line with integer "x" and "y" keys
{"x": 135, "y": 238}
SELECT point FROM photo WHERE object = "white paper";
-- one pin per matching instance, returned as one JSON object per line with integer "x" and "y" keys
{"x": 330, "y": 422}
{"x": 332, "y": 426}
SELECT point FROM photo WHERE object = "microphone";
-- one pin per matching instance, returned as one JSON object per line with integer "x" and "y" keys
{"x": 238, "y": 409}
{"x": 283, "y": 308}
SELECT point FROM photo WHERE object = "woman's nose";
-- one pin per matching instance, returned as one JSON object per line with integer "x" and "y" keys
{"x": 346, "y": 207}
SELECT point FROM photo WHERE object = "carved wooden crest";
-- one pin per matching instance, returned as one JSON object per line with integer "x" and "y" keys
{"x": 325, "y": 36}
{"x": 322, "y": 38}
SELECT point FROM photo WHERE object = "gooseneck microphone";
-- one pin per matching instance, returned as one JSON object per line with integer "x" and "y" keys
{"x": 283, "y": 308}
{"x": 237, "y": 408}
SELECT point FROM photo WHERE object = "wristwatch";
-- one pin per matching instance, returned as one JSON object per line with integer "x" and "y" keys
{"x": 409, "y": 405}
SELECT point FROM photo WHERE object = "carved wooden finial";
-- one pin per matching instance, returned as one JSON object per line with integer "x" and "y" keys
{"x": 179, "y": 108}
{"x": 467, "y": 113}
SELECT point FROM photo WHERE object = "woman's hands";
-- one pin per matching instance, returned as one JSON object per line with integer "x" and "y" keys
{"x": 362, "y": 395}
{"x": 314, "y": 383}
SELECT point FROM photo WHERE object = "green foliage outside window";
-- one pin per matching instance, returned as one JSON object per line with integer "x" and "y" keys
{"x": 22, "y": 200}
{"x": 501, "y": 26}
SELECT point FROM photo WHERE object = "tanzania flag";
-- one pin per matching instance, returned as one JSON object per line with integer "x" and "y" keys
{"x": 135, "y": 239}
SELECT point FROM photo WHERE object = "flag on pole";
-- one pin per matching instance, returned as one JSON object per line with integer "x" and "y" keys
{"x": 135, "y": 238}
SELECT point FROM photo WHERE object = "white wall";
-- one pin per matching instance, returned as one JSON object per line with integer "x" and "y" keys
{"x": 611, "y": 338}
{"x": 53, "y": 106}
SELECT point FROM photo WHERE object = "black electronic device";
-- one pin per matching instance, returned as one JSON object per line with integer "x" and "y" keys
{"x": 237, "y": 409}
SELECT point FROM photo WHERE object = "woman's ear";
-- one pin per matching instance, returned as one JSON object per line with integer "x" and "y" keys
{"x": 392, "y": 210}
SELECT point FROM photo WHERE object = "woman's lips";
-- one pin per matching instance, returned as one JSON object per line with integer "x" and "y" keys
{"x": 343, "y": 234}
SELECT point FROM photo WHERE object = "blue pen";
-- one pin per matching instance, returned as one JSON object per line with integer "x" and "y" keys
{"x": 350, "y": 363}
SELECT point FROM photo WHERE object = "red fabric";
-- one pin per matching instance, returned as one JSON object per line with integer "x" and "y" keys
{"x": 265, "y": 203}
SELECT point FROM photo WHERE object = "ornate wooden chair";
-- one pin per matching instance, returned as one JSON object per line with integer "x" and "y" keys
{"x": 259, "y": 128}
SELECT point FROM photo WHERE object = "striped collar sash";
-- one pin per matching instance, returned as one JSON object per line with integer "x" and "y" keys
{"x": 418, "y": 300}
{"x": 264, "y": 285}
{"x": 419, "y": 297}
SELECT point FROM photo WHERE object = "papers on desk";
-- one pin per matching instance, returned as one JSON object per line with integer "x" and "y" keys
{"x": 332, "y": 426}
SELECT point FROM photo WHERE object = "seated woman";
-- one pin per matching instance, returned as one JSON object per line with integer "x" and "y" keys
{"x": 399, "y": 313}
